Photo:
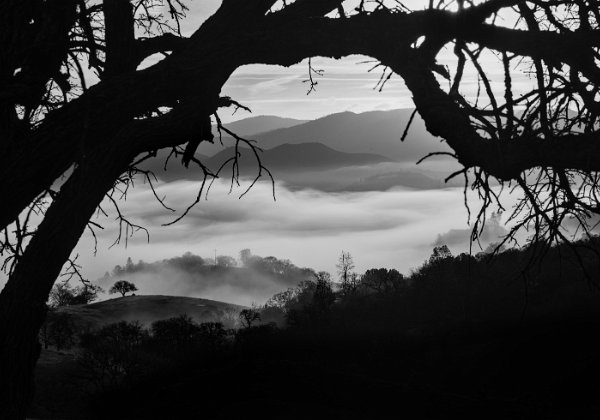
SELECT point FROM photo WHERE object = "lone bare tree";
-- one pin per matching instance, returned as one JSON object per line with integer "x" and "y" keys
{"x": 348, "y": 278}
{"x": 248, "y": 317}
{"x": 78, "y": 114}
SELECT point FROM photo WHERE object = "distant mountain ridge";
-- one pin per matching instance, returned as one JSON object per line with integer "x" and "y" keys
{"x": 377, "y": 132}
{"x": 344, "y": 142}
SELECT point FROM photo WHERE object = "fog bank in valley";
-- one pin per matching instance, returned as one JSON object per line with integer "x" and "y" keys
{"x": 396, "y": 229}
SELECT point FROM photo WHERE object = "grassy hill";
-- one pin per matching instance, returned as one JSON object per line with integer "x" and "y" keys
{"x": 147, "y": 309}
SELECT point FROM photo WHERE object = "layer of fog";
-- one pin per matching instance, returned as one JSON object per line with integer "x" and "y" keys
{"x": 397, "y": 228}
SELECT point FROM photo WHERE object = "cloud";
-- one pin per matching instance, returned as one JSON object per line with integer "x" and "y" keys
{"x": 493, "y": 232}
{"x": 271, "y": 85}
{"x": 346, "y": 84}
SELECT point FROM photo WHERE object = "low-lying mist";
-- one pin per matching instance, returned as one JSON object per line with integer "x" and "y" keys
{"x": 252, "y": 281}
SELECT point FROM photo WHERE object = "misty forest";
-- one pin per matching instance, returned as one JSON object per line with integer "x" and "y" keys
{"x": 303, "y": 209}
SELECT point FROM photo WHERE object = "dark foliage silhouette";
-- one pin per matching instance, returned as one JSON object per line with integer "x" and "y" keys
{"x": 112, "y": 353}
{"x": 58, "y": 330}
{"x": 118, "y": 355}
{"x": 383, "y": 281}
{"x": 461, "y": 336}
{"x": 63, "y": 294}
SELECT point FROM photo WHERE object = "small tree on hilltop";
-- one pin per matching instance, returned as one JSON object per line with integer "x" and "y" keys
{"x": 123, "y": 287}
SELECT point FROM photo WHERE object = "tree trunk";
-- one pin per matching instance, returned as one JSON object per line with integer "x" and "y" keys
{"x": 22, "y": 301}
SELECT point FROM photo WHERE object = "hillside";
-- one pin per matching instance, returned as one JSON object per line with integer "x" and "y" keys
{"x": 260, "y": 124}
{"x": 148, "y": 309}
{"x": 296, "y": 157}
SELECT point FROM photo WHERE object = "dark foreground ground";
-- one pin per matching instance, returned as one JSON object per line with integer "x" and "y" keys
{"x": 545, "y": 369}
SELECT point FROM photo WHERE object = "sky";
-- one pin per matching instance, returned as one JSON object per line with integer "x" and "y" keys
{"x": 345, "y": 85}
{"x": 395, "y": 229}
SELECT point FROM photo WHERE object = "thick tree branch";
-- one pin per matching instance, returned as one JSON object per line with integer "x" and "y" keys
{"x": 145, "y": 47}
{"x": 310, "y": 8}
{"x": 45, "y": 46}
{"x": 119, "y": 38}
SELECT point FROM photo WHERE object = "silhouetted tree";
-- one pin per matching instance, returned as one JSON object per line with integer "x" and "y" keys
{"x": 348, "y": 279}
{"x": 123, "y": 287}
{"x": 382, "y": 280}
{"x": 323, "y": 296}
{"x": 179, "y": 332}
{"x": 52, "y": 120}
{"x": 440, "y": 253}
{"x": 63, "y": 294}
{"x": 226, "y": 261}
{"x": 112, "y": 352}
{"x": 311, "y": 303}
{"x": 59, "y": 330}
{"x": 249, "y": 316}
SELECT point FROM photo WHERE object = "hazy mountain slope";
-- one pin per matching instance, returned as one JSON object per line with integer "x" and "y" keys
{"x": 260, "y": 124}
{"x": 147, "y": 309}
{"x": 401, "y": 178}
{"x": 247, "y": 128}
{"x": 296, "y": 157}
{"x": 377, "y": 177}
{"x": 376, "y": 132}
